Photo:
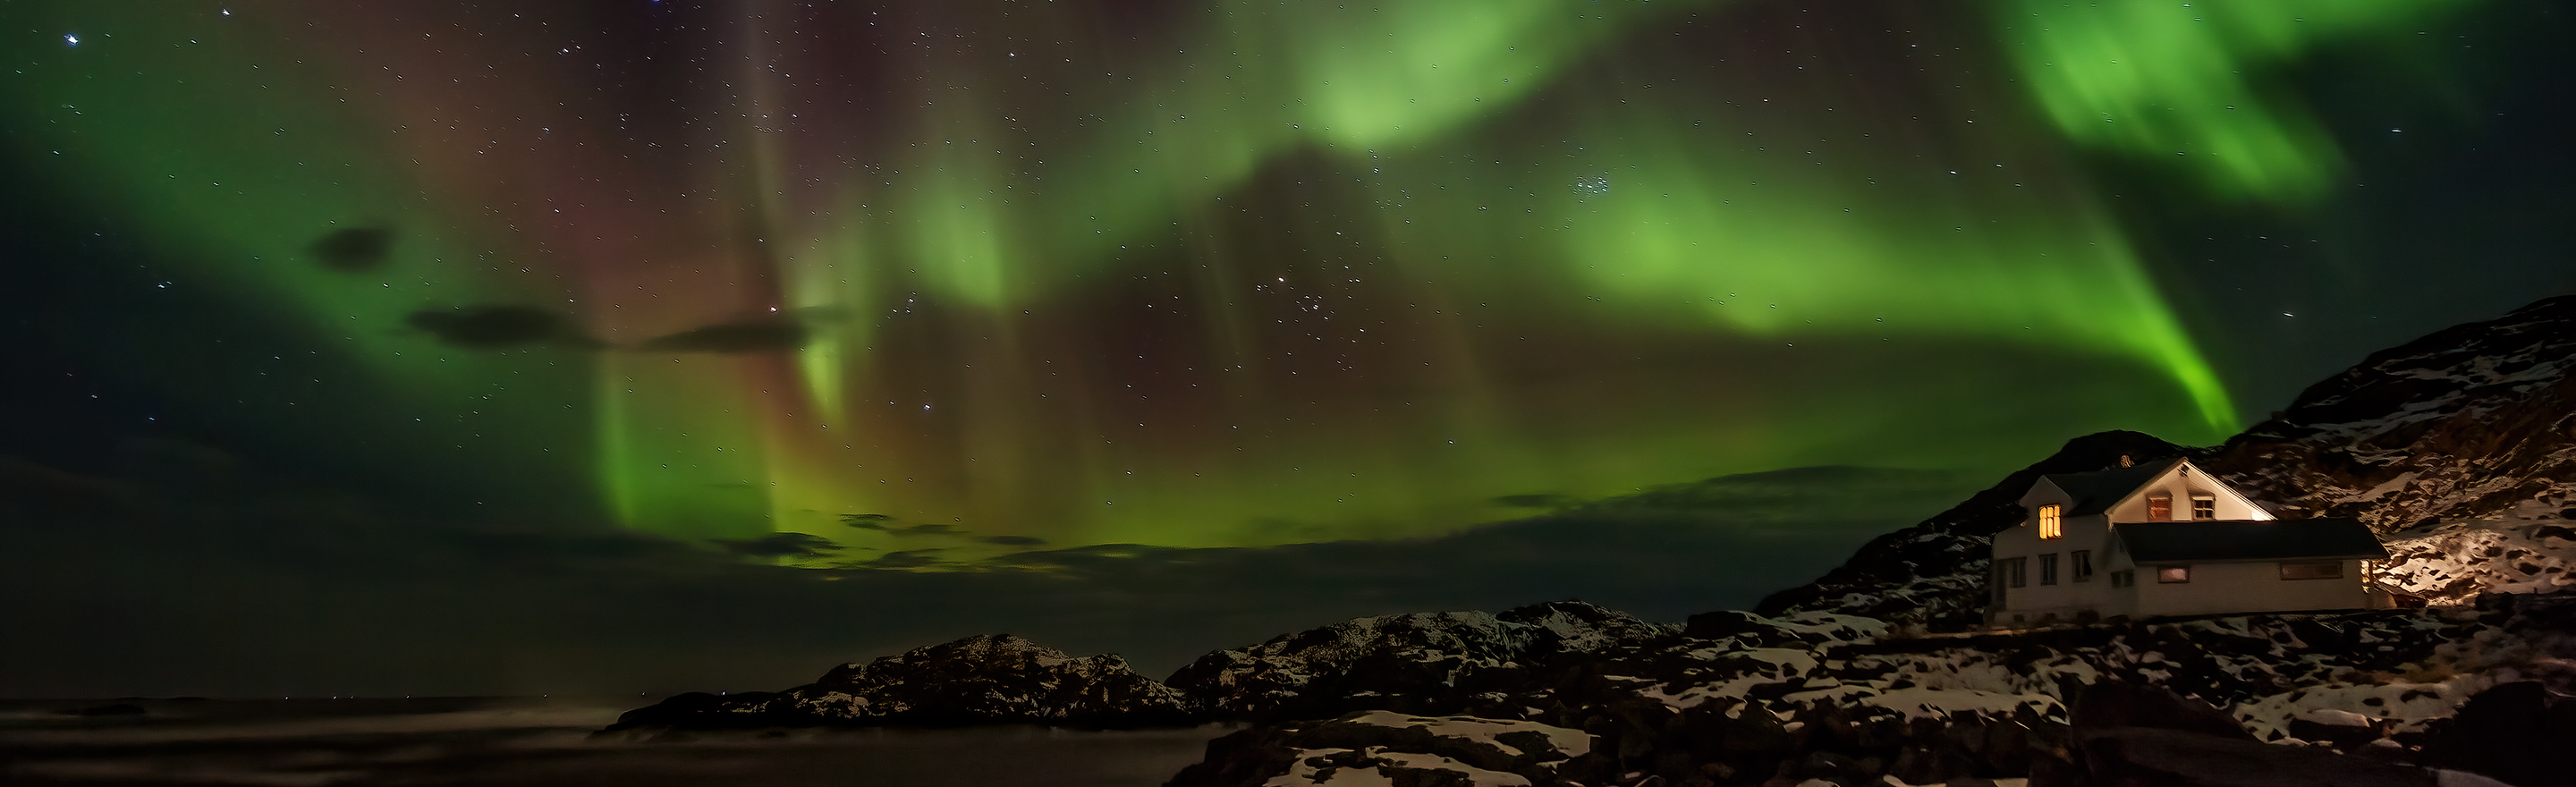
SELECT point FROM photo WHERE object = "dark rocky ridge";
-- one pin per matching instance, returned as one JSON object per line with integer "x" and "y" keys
{"x": 985, "y": 679}
{"x": 1421, "y": 663}
{"x": 1433, "y": 662}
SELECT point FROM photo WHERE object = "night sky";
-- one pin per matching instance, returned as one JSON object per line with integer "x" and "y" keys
{"x": 725, "y": 340}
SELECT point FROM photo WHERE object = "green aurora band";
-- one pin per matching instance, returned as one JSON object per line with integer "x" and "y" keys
{"x": 1231, "y": 274}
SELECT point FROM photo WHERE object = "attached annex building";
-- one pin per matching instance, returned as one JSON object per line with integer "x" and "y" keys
{"x": 2168, "y": 539}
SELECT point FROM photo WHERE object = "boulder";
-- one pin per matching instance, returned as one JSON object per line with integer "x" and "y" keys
{"x": 2519, "y": 732}
{"x": 1383, "y": 747}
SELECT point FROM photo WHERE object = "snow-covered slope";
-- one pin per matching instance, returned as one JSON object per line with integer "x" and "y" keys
{"x": 2460, "y": 447}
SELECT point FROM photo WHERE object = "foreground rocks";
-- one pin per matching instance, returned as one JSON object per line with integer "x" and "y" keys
{"x": 1740, "y": 699}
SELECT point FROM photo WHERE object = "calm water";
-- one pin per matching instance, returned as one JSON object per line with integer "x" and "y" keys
{"x": 299, "y": 742}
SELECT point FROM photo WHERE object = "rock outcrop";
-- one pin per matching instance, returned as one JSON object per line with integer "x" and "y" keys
{"x": 986, "y": 679}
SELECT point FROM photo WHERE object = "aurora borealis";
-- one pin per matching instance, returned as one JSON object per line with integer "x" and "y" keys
{"x": 937, "y": 282}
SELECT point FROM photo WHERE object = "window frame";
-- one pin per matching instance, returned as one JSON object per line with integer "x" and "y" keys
{"x": 2048, "y": 568}
{"x": 2160, "y": 507}
{"x": 2166, "y": 575}
{"x": 2204, "y": 506}
{"x": 2052, "y": 522}
{"x": 2079, "y": 563}
{"x": 2015, "y": 572}
{"x": 2334, "y": 569}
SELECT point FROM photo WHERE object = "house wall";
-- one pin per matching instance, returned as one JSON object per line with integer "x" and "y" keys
{"x": 2219, "y": 588}
{"x": 2068, "y": 597}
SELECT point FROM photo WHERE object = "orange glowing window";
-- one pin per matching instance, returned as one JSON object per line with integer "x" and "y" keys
{"x": 2049, "y": 524}
{"x": 2160, "y": 508}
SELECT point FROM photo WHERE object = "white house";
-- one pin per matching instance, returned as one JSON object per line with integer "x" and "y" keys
{"x": 2166, "y": 538}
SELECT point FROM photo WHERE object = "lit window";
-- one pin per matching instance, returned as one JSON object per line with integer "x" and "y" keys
{"x": 2173, "y": 574}
{"x": 2204, "y": 507}
{"x": 2160, "y": 508}
{"x": 2050, "y": 524}
{"x": 2324, "y": 569}
{"x": 2082, "y": 565}
{"x": 2048, "y": 569}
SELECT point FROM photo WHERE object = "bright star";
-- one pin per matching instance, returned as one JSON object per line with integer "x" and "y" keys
{"x": 71, "y": 40}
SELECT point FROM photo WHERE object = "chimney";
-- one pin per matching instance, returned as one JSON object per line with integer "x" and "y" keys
{"x": 2124, "y": 461}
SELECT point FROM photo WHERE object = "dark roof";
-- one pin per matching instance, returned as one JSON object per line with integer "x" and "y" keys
{"x": 2094, "y": 492}
{"x": 2280, "y": 539}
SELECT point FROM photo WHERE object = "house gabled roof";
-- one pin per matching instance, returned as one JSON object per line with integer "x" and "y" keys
{"x": 2098, "y": 491}
{"x": 2278, "y": 539}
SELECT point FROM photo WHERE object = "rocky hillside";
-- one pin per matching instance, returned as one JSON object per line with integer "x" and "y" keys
{"x": 2459, "y": 448}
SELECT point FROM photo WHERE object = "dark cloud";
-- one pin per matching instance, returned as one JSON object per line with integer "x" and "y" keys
{"x": 1537, "y": 501}
{"x": 492, "y": 327}
{"x": 780, "y": 545}
{"x": 907, "y": 560}
{"x": 1015, "y": 541}
{"x": 734, "y": 337}
{"x": 880, "y": 523}
{"x": 354, "y": 249}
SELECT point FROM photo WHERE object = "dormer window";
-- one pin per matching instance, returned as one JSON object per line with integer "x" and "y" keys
{"x": 2204, "y": 505}
{"x": 2160, "y": 507}
{"x": 2051, "y": 524}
